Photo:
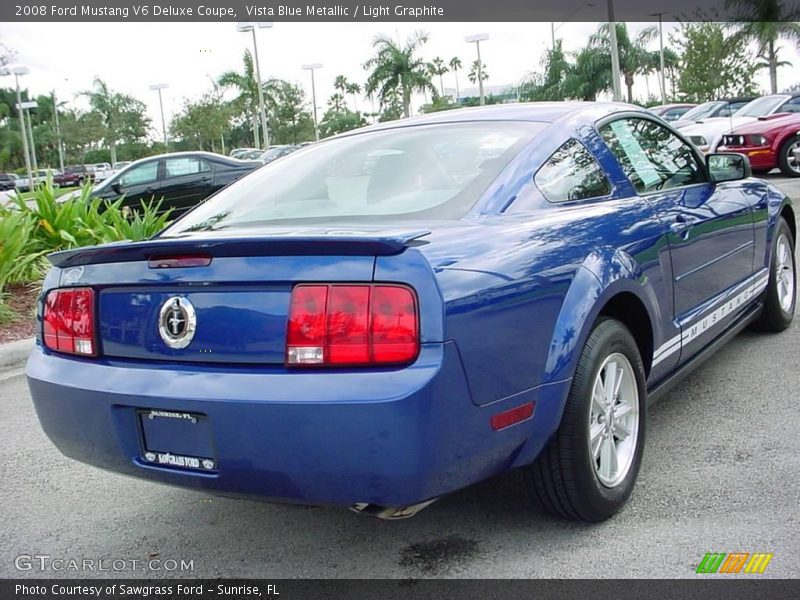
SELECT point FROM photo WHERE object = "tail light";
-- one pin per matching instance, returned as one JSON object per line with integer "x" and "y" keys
{"x": 352, "y": 325}
{"x": 69, "y": 321}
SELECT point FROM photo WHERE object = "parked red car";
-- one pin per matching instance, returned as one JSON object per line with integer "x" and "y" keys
{"x": 73, "y": 175}
{"x": 769, "y": 142}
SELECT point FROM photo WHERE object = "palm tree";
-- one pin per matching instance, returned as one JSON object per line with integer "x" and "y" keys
{"x": 354, "y": 90}
{"x": 633, "y": 53}
{"x": 395, "y": 68}
{"x": 340, "y": 84}
{"x": 345, "y": 87}
{"x": 473, "y": 72}
{"x": 245, "y": 84}
{"x": 766, "y": 22}
{"x": 439, "y": 68}
{"x": 336, "y": 102}
{"x": 455, "y": 66}
{"x": 108, "y": 105}
{"x": 589, "y": 75}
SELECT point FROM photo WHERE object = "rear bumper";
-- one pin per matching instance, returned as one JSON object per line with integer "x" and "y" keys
{"x": 391, "y": 438}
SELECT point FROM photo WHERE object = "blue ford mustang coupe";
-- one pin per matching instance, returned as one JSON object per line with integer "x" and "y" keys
{"x": 404, "y": 310}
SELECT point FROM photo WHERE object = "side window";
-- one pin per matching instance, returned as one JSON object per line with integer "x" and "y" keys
{"x": 652, "y": 157}
{"x": 571, "y": 173}
{"x": 146, "y": 173}
{"x": 792, "y": 106}
{"x": 185, "y": 165}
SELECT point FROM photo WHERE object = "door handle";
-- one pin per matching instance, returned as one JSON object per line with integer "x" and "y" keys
{"x": 680, "y": 226}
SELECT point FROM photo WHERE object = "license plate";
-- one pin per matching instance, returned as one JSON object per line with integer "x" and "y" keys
{"x": 177, "y": 439}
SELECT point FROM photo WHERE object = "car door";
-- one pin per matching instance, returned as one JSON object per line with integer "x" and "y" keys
{"x": 138, "y": 184}
{"x": 186, "y": 181}
{"x": 709, "y": 228}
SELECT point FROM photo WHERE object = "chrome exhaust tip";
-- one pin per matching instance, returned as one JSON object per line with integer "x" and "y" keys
{"x": 388, "y": 513}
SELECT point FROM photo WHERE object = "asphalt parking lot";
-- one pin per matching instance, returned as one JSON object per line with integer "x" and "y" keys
{"x": 721, "y": 473}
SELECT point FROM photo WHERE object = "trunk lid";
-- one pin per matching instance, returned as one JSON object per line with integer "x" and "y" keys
{"x": 240, "y": 301}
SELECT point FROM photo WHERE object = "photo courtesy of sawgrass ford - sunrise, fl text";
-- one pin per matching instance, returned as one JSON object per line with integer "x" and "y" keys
{"x": 420, "y": 299}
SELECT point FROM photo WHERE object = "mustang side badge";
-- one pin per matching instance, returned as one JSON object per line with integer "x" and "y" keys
{"x": 177, "y": 322}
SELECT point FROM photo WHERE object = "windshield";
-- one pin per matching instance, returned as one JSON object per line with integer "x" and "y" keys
{"x": 702, "y": 111}
{"x": 761, "y": 106}
{"x": 435, "y": 171}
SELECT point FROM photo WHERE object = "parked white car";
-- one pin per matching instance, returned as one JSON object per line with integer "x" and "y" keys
{"x": 707, "y": 134}
{"x": 39, "y": 176}
{"x": 101, "y": 171}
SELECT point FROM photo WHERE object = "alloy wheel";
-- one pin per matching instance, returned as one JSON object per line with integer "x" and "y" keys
{"x": 784, "y": 272}
{"x": 613, "y": 420}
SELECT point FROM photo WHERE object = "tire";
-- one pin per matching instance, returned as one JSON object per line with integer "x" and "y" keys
{"x": 780, "y": 296}
{"x": 566, "y": 480}
{"x": 787, "y": 163}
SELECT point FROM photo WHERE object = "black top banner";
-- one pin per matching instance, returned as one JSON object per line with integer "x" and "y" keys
{"x": 375, "y": 10}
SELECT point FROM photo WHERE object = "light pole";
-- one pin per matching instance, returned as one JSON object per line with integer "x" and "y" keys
{"x": 27, "y": 106}
{"x": 251, "y": 27}
{"x": 477, "y": 39}
{"x": 58, "y": 134}
{"x": 612, "y": 34}
{"x": 314, "y": 96}
{"x": 662, "y": 78}
{"x": 17, "y": 71}
{"x": 157, "y": 87}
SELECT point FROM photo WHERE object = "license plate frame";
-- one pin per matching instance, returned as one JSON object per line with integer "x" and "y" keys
{"x": 177, "y": 440}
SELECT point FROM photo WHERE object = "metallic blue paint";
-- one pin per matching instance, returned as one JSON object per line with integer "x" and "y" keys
{"x": 508, "y": 296}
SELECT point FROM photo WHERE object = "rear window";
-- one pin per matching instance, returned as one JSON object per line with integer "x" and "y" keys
{"x": 426, "y": 171}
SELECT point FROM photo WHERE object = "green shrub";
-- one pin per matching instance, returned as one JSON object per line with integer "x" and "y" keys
{"x": 30, "y": 229}
{"x": 85, "y": 221}
{"x": 17, "y": 263}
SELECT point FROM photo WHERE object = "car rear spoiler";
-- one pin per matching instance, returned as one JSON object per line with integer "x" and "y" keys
{"x": 380, "y": 243}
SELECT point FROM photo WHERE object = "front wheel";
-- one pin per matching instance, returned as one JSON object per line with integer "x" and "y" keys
{"x": 589, "y": 468}
{"x": 787, "y": 160}
{"x": 780, "y": 296}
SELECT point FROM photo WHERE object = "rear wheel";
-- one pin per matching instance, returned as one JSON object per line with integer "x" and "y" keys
{"x": 787, "y": 161}
{"x": 588, "y": 470}
{"x": 780, "y": 296}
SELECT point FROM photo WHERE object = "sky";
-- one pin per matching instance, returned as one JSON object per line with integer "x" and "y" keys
{"x": 132, "y": 56}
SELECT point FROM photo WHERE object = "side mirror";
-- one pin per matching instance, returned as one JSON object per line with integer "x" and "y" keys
{"x": 116, "y": 187}
{"x": 728, "y": 166}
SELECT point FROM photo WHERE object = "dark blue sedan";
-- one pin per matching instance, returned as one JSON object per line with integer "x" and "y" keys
{"x": 401, "y": 311}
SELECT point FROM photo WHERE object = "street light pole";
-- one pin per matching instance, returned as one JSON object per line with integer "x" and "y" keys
{"x": 612, "y": 33}
{"x": 58, "y": 134}
{"x": 17, "y": 72}
{"x": 261, "y": 108}
{"x": 157, "y": 87}
{"x": 314, "y": 96}
{"x": 33, "y": 143}
{"x": 477, "y": 39}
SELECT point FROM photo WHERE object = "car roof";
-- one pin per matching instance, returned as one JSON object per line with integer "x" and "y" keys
{"x": 187, "y": 153}
{"x": 541, "y": 112}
